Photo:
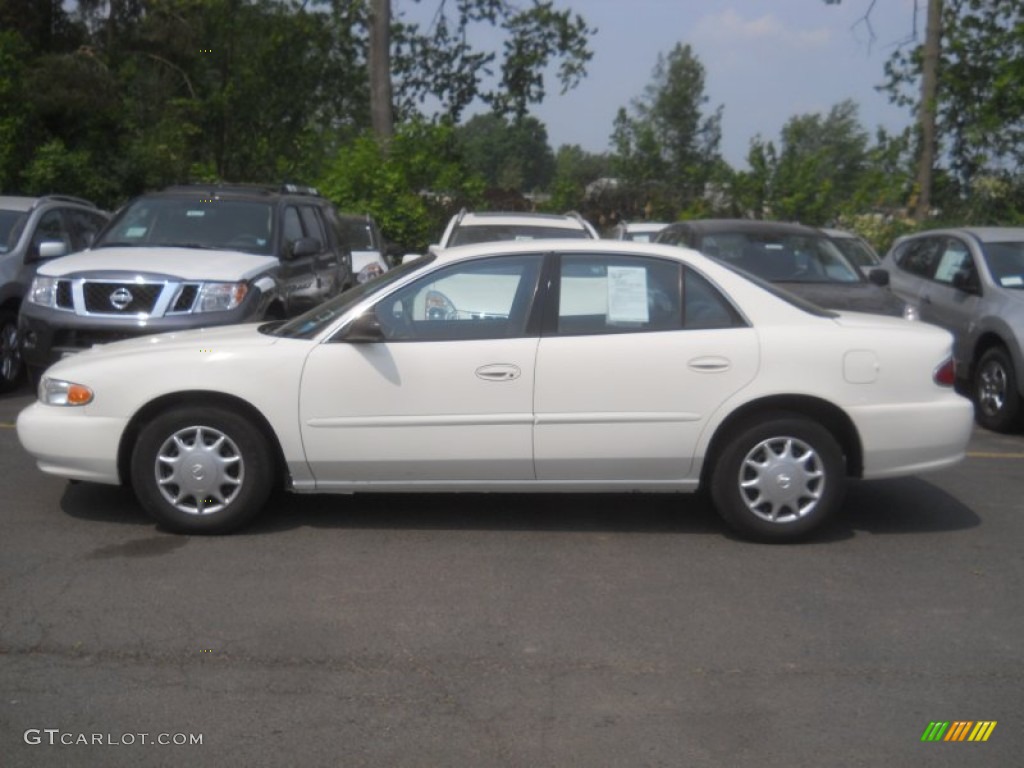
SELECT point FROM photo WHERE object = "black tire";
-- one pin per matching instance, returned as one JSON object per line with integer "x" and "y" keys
{"x": 12, "y": 369}
{"x": 230, "y": 464}
{"x": 805, "y": 466}
{"x": 997, "y": 403}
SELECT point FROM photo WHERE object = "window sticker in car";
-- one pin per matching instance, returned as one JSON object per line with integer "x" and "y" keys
{"x": 193, "y": 213}
{"x": 135, "y": 232}
{"x": 627, "y": 295}
{"x": 1012, "y": 281}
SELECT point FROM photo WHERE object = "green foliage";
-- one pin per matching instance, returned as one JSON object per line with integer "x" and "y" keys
{"x": 667, "y": 150}
{"x": 411, "y": 186}
{"x": 510, "y": 155}
{"x": 823, "y": 168}
{"x": 440, "y": 62}
{"x": 980, "y": 109}
{"x": 574, "y": 170}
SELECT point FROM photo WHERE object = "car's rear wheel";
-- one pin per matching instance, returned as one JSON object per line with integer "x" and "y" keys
{"x": 11, "y": 366}
{"x": 997, "y": 404}
{"x": 201, "y": 470}
{"x": 778, "y": 478}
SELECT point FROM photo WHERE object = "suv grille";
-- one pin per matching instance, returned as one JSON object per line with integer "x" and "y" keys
{"x": 186, "y": 298}
{"x": 121, "y": 298}
{"x": 64, "y": 297}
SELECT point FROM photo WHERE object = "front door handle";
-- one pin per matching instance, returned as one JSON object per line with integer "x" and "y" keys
{"x": 710, "y": 364}
{"x": 499, "y": 372}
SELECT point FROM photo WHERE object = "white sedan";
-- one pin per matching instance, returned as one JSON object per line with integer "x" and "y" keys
{"x": 535, "y": 366}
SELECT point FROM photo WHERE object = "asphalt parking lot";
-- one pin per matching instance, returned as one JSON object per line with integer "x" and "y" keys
{"x": 512, "y": 631}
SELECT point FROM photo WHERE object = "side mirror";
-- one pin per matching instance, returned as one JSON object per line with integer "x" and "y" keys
{"x": 965, "y": 281}
{"x": 365, "y": 329}
{"x": 52, "y": 249}
{"x": 305, "y": 246}
{"x": 879, "y": 277}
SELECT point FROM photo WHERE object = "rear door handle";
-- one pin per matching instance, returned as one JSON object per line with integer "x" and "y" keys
{"x": 499, "y": 372}
{"x": 710, "y": 364}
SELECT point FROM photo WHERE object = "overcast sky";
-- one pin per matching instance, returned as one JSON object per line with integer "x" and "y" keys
{"x": 765, "y": 61}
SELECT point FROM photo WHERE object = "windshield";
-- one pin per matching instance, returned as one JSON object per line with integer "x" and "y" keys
{"x": 782, "y": 258}
{"x": 1006, "y": 263}
{"x": 311, "y": 323}
{"x": 493, "y": 233}
{"x": 791, "y": 298}
{"x": 857, "y": 251}
{"x": 236, "y": 225}
{"x": 11, "y": 225}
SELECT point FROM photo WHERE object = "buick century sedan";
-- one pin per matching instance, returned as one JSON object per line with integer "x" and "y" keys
{"x": 551, "y": 366}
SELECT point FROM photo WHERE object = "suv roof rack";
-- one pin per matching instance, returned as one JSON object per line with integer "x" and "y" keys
{"x": 247, "y": 189}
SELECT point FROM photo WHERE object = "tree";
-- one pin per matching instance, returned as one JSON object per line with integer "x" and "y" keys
{"x": 928, "y": 69}
{"x": 410, "y": 184}
{"x": 508, "y": 154}
{"x": 668, "y": 141}
{"x": 440, "y": 62}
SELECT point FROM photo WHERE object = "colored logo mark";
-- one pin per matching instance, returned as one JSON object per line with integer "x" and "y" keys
{"x": 959, "y": 730}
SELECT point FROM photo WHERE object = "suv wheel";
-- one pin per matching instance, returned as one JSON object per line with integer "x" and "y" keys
{"x": 10, "y": 355}
{"x": 996, "y": 402}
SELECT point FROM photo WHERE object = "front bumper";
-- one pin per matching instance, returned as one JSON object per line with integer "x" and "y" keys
{"x": 70, "y": 443}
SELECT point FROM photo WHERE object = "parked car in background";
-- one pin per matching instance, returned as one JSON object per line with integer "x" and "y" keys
{"x": 32, "y": 230}
{"x": 555, "y": 365}
{"x": 467, "y": 228}
{"x": 188, "y": 257}
{"x": 970, "y": 280}
{"x": 637, "y": 231}
{"x": 365, "y": 242}
{"x": 855, "y": 248}
{"x": 800, "y": 259}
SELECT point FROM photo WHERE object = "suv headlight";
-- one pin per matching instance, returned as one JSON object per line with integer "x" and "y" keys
{"x": 220, "y": 297}
{"x": 43, "y": 291}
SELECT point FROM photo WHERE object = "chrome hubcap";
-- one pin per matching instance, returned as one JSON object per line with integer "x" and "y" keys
{"x": 199, "y": 470}
{"x": 992, "y": 388}
{"x": 781, "y": 479}
{"x": 10, "y": 355}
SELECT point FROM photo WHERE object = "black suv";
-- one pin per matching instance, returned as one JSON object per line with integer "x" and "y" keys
{"x": 33, "y": 229}
{"x": 188, "y": 257}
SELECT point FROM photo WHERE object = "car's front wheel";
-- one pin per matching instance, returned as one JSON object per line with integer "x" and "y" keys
{"x": 11, "y": 366}
{"x": 778, "y": 478}
{"x": 201, "y": 469}
{"x": 997, "y": 405}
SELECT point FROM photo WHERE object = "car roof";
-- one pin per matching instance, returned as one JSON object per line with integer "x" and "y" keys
{"x": 17, "y": 203}
{"x": 24, "y": 203}
{"x": 840, "y": 233}
{"x": 480, "y": 218}
{"x": 240, "y": 192}
{"x": 753, "y": 226}
{"x": 645, "y": 226}
{"x": 984, "y": 234}
{"x": 514, "y": 247}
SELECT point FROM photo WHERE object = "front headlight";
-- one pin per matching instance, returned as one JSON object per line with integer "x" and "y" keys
{"x": 910, "y": 312}
{"x": 220, "y": 297}
{"x": 60, "y": 392}
{"x": 43, "y": 291}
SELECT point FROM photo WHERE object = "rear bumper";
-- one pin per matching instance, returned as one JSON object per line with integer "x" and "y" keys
{"x": 913, "y": 438}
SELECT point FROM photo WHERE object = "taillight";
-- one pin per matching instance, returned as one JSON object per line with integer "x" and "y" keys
{"x": 945, "y": 374}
